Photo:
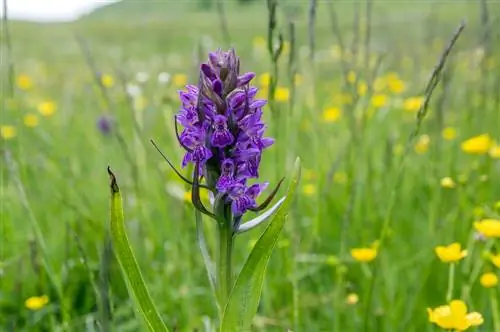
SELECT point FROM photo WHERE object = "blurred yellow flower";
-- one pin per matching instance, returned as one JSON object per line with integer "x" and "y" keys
{"x": 495, "y": 152}
{"x": 362, "y": 88}
{"x": 364, "y": 254}
{"x": 282, "y": 94}
{"x": 24, "y": 82}
{"x": 413, "y": 104}
{"x": 454, "y": 316}
{"x": 352, "y": 299}
{"x": 447, "y": 182}
{"x": 351, "y": 77}
{"x": 179, "y": 80}
{"x": 495, "y": 259}
{"x": 488, "y": 280}
{"x": 332, "y": 114}
{"x": 47, "y": 108}
{"x": 7, "y": 132}
{"x": 397, "y": 86}
{"x": 263, "y": 93}
{"x": 488, "y": 227}
{"x": 36, "y": 302}
{"x": 309, "y": 189}
{"x": 379, "y": 100}
{"x": 107, "y": 80}
{"x": 450, "y": 254}
{"x": 449, "y": 133}
{"x": 422, "y": 144}
{"x": 340, "y": 177}
{"x": 259, "y": 42}
{"x": 478, "y": 144}
{"x": 264, "y": 80}
{"x": 30, "y": 120}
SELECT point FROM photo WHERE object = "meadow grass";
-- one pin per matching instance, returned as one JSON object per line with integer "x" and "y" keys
{"x": 55, "y": 204}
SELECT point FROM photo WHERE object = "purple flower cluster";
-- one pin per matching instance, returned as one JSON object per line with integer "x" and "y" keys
{"x": 223, "y": 131}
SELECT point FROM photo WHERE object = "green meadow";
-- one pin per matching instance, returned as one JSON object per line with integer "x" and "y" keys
{"x": 386, "y": 183}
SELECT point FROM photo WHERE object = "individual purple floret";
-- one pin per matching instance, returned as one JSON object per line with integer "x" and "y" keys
{"x": 104, "y": 124}
{"x": 223, "y": 134}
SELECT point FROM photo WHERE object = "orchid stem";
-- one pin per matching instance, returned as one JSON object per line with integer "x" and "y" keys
{"x": 451, "y": 278}
{"x": 224, "y": 263}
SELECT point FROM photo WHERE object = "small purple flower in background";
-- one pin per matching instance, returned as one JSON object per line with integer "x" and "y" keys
{"x": 105, "y": 124}
{"x": 223, "y": 135}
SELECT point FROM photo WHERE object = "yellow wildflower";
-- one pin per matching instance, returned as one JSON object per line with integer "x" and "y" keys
{"x": 36, "y": 302}
{"x": 449, "y": 133}
{"x": 264, "y": 80}
{"x": 397, "y": 86}
{"x": 352, "y": 299}
{"x": 447, "y": 182}
{"x": 259, "y": 42}
{"x": 309, "y": 189}
{"x": 364, "y": 254}
{"x": 477, "y": 145}
{"x": 450, "y": 254}
{"x": 30, "y": 120}
{"x": 413, "y": 104}
{"x": 332, "y": 114}
{"x": 362, "y": 88}
{"x": 107, "y": 80}
{"x": 282, "y": 94}
{"x": 47, "y": 108}
{"x": 24, "y": 82}
{"x": 179, "y": 80}
{"x": 495, "y": 151}
{"x": 495, "y": 259}
{"x": 488, "y": 280}
{"x": 454, "y": 316}
{"x": 379, "y": 100}
{"x": 488, "y": 227}
{"x": 351, "y": 77}
{"x": 422, "y": 144}
{"x": 7, "y": 132}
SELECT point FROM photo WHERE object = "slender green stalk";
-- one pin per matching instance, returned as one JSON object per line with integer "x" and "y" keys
{"x": 224, "y": 263}
{"x": 495, "y": 309}
{"x": 451, "y": 281}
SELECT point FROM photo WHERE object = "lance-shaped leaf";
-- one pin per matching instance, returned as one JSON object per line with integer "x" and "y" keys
{"x": 128, "y": 263}
{"x": 245, "y": 295}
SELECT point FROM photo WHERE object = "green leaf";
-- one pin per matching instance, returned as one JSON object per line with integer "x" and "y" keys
{"x": 128, "y": 262}
{"x": 245, "y": 295}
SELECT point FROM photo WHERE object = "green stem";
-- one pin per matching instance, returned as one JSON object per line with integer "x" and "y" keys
{"x": 495, "y": 309}
{"x": 451, "y": 279}
{"x": 224, "y": 263}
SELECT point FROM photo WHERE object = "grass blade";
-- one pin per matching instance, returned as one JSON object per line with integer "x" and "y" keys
{"x": 128, "y": 262}
{"x": 245, "y": 295}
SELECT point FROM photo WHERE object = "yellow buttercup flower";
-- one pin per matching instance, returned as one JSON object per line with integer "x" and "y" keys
{"x": 447, "y": 182}
{"x": 449, "y": 133}
{"x": 397, "y": 86}
{"x": 8, "y": 132}
{"x": 413, "y": 104}
{"x": 264, "y": 80}
{"x": 309, "y": 189}
{"x": 47, "y": 108}
{"x": 352, "y": 299}
{"x": 332, "y": 114}
{"x": 422, "y": 144}
{"x": 488, "y": 227}
{"x": 179, "y": 80}
{"x": 24, "y": 82}
{"x": 36, "y": 302}
{"x": 477, "y": 145}
{"x": 379, "y": 100}
{"x": 282, "y": 94}
{"x": 364, "y": 255}
{"x": 454, "y": 316}
{"x": 450, "y": 254}
{"x": 107, "y": 80}
{"x": 495, "y": 152}
{"x": 30, "y": 120}
{"x": 488, "y": 280}
{"x": 495, "y": 259}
